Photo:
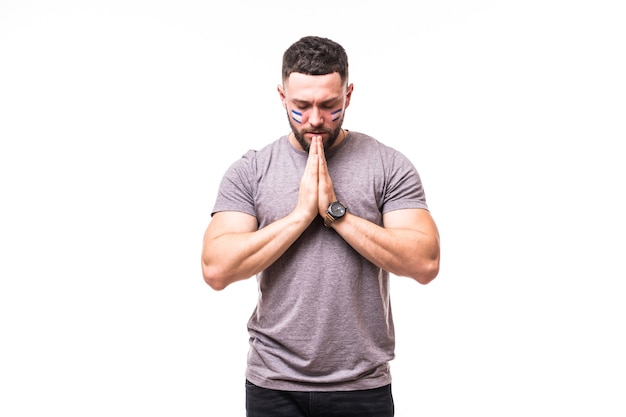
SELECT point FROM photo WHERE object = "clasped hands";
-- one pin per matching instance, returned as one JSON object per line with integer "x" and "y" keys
{"x": 316, "y": 186}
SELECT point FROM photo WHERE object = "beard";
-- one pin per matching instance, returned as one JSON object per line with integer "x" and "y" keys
{"x": 333, "y": 134}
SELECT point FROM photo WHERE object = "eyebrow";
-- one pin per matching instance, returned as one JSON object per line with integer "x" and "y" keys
{"x": 323, "y": 103}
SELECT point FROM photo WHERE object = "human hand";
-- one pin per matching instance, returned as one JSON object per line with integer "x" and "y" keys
{"x": 309, "y": 183}
{"x": 326, "y": 190}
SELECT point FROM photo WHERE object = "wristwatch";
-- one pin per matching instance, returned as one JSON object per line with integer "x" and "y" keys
{"x": 336, "y": 210}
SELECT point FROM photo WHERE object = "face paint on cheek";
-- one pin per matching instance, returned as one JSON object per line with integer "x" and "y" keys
{"x": 296, "y": 116}
{"x": 336, "y": 114}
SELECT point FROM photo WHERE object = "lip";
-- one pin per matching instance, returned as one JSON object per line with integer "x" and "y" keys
{"x": 311, "y": 134}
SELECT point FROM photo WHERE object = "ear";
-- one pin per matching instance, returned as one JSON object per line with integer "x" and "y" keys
{"x": 349, "y": 94}
{"x": 281, "y": 93}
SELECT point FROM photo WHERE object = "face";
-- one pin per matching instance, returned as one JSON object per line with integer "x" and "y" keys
{"x": 315, "y": 106}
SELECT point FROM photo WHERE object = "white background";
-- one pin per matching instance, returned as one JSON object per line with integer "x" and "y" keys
{"x": 118, "y": 118}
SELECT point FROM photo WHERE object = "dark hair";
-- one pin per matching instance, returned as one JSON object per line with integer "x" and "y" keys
{"x": 313, "y": 55}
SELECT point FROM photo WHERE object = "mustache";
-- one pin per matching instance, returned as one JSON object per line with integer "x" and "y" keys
{"x": 317, "y": 131}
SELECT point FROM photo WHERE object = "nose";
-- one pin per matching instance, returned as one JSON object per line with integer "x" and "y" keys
{"x": 316, "y": 118}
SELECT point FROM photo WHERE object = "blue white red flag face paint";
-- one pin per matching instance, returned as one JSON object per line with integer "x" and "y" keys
{"x": 296, "y": 116}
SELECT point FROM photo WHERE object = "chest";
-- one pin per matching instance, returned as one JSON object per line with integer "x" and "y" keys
{"x": 360, "y": 185}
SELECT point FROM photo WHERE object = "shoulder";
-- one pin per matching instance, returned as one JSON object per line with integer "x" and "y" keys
{"x": 273, "y": 147}
{"x": 255, "y": 157}
{"x": 366, "y": 141}
{"x": 368, "y": 146}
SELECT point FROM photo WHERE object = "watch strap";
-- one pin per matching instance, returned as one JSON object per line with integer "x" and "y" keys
{"x": 328, "y": 220}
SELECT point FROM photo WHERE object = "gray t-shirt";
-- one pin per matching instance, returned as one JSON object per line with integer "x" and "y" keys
{"x": 323, "y": 319}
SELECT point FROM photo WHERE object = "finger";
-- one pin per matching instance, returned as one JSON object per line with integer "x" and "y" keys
{"x": 312, "y": 161}
{"x": 323, "y": 170}
{"x": 325, "y": 187}
{"x": 313, "y": 148}
{"x": 320, "y": 147}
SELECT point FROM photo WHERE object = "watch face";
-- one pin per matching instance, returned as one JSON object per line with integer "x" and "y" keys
{"x": 337, "y": 209}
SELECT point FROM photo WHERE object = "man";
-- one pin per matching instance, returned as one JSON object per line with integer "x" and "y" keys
{"x": 321, "y": 216}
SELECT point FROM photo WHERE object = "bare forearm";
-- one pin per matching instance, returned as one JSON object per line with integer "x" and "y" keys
{"x": 405, "y": 252}
{"x": 234, "y": 256}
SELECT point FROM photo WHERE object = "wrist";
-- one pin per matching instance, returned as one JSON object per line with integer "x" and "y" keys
{"x": 335, "y": 212}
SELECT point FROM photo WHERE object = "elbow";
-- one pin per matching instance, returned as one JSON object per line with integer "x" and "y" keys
{"x": 426, "y": 272}
{"x": 428, "y": 268}
{"x": 213, "y": 277}
{"x": 219, "y": 275}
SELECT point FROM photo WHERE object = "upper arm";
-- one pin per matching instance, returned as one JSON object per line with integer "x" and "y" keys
{"x": 413, "y": 219}
{"x": 423, "y": 248}
{"x": 224, "y": 222}
{"x": 216, "y": 269}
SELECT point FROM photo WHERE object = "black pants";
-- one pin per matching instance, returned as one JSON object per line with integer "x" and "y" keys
{"x": 262, "y": 402}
